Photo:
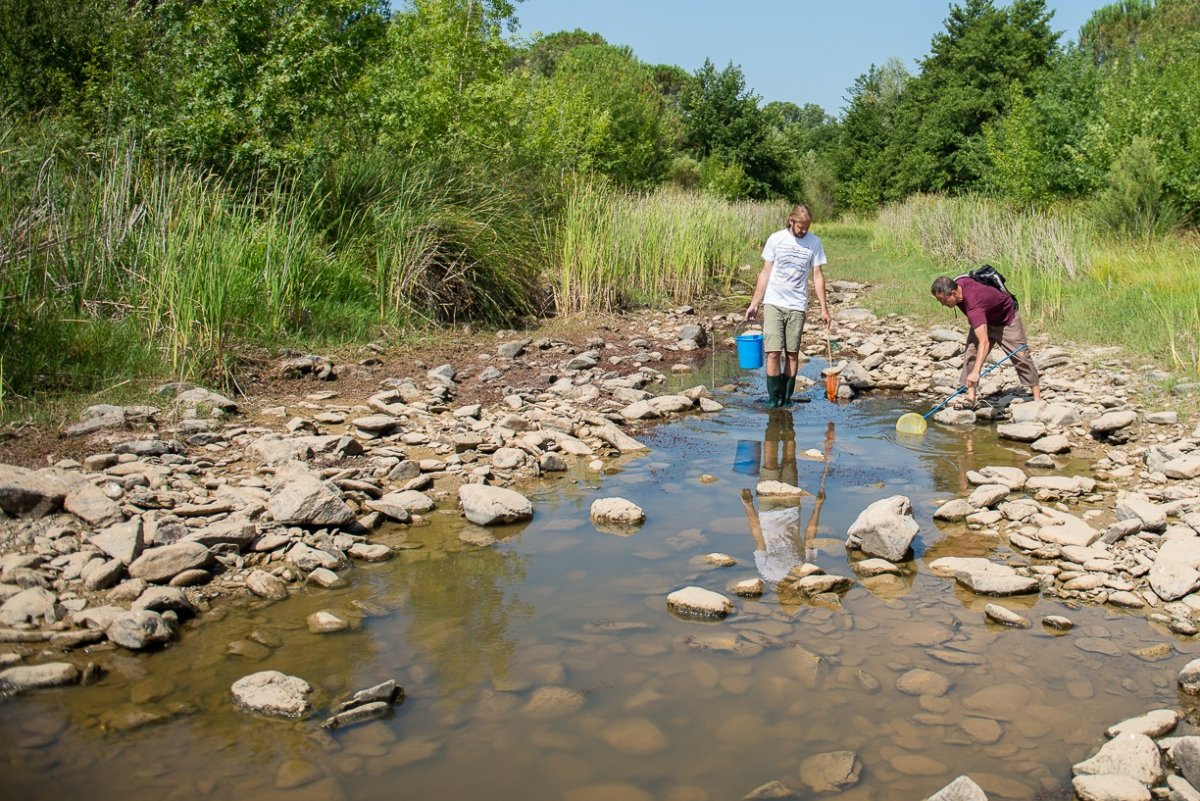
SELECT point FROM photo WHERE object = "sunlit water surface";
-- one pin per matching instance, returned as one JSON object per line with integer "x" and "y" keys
{"x": 672, "y": 708}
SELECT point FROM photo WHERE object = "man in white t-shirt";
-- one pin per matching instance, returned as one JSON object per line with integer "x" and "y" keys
{"x": 789, "y": 257}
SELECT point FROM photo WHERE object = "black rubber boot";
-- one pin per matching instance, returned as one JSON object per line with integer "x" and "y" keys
{"x": 789, "y": 386}
{"x": 774, "y": 391}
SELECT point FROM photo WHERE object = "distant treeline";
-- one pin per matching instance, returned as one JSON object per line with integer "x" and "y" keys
{"x": 177, "y": 175}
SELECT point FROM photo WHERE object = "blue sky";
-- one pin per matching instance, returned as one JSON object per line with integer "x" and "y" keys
{"x": 801, "y": 51}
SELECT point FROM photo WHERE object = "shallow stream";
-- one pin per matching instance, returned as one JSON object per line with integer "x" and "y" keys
{"x": 669, "y": 708}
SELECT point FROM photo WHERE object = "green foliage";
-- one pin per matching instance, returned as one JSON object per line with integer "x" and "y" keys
{"x": 724, "y": 128}
{"x": 858, "y": 153}
{"x": 543, "y": 56}
{"x": 1133, "y": 200}
{"x": 599, "y": 112}
{"x": 1113, "y": 30}
{"x": 966, "y": 81}
{"x": 251, "y": 83}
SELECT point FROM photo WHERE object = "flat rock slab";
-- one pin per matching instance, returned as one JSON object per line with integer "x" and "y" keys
{"x": 36, "y": 677}
{"x": 1130, "y": 754}
{"x": 159, "y": 565}
{"x": 272, "y": 693}
{"x": 699, "y": 602}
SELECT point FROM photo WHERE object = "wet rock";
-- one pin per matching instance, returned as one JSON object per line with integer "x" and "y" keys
{"x": 1155, "y": 723}
{"x": 370, "y": 552}
{"x": 617, "y": 512}
{"x": 986, "y": 496}
{"x": 1133, "y": 755}
{"x": 549, "y": 703}
{"x": 160, "y": 565}
{"x": 923, "y": 682}
{"x": 885, "y": 529}
{"x": 1055, "y": 443}
{"x": 1021, "y": 432}
{"x": 749, "y": 588}
{"x": 1189, "y": 678}
{"x": 699, "y": 602}
{"x": 636, "y": 736}
{"x": 301, "y": 498}
{"x": 163, "y": 599}
{"x": 954, "y": 510}
{"x": 961, "y": 789}
{"x": 1005, "y": 617}
{"x": 326, "y": 622}
{"x": 270, "y": 692}
{"x": 832, "y": 771}
{"x": 1003, "y": 702}
{"x": 1185, "y": 753}
{"x": 955, "y": 417}
{"x": 486, "y": 505}
{"x": 822, "y": 583}
{"x": 324, "y": 578}
{"x": 36, "y": 677}
{"x": 150, "y": 447}
{"x": 771, "y": 791}
{"x": 1111, "y": 787}
{"x": 140, "y": 630}
{"x": 309, "y": 559}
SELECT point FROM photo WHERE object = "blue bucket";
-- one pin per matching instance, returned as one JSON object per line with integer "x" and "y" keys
{"x": 750, "y": 351}
{"x": 746, "y": 458}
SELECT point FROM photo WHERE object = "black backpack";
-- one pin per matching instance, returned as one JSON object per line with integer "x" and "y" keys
{"x": 987, "y": 274}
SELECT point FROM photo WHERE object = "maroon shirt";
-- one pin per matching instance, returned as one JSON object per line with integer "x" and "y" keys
{"x": 984, "y": 304}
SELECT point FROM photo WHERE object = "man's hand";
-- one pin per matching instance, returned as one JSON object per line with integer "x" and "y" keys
{"x": 972, "y": 379}
{"x": 751, "y": 313}
{"x": 825, "y": 318}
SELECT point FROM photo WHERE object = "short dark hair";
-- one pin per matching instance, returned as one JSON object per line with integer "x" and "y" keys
{"x": 942, "y": 286}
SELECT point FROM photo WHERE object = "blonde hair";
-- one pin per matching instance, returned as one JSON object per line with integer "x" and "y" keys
{"x": 799, "y": 214}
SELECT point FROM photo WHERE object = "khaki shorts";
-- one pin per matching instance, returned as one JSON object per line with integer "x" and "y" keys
{"x": 782, "y": 329}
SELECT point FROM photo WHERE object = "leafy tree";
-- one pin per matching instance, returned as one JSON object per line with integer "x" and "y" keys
{"x": 256, "y": 82}
{"x": 867, "y": 127}
{"x": 1114, "y": 29}
{"x": 601, "y": 112}
{"x": 724, "y": 127}
{"x": 967, "y": 80}
{"x": 542, "y": 57}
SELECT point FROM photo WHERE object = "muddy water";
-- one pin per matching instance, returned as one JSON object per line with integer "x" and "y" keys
{"x": 667, "y": 708}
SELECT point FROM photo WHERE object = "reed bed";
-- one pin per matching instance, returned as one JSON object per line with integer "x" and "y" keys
{"x": 616, "y": 250}
{"x": 115, "y": 265}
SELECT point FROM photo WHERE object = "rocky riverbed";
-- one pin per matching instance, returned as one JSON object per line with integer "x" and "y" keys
{"x": 169, "y": 509}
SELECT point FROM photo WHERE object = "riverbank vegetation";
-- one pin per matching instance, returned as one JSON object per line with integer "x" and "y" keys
{"x": 182, "y": 180}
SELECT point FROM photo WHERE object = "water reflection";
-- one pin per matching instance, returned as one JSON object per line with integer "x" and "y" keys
{"x": 462, "y": 603}
{"x": 655, "y": 706}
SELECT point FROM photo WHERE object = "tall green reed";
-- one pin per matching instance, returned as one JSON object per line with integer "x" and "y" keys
{"x": 617, "y": 249}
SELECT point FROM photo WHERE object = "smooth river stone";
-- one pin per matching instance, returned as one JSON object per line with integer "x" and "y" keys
{"x": 999, "y": 702}
{"x": 635, "y": 736}
{"x": 548, "y": 703}
{"x": 923, "y": 682}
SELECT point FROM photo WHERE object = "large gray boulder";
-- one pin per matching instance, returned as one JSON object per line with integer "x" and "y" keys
{"x": 122, "y": 541}
{"x": 885, "y": 529}
{"x": 485, "y": 505}
{"x": 300, "y": 498}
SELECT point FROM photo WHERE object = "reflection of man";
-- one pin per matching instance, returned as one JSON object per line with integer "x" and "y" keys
{"x": 776, "y": 529}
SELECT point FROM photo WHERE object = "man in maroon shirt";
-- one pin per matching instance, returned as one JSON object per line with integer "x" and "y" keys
{"x": 993, "y": 318}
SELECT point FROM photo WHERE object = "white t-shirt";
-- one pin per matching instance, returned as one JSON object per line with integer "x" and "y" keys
{"x": 794, "y": 258}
